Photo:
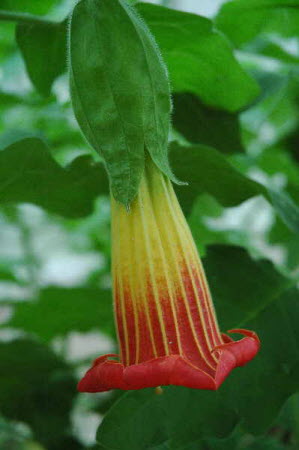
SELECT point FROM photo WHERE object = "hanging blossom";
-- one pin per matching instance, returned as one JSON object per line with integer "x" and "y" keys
{"x": 166, "y": 323}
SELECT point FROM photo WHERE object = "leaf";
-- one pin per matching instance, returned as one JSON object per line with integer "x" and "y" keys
{"x": 208, "y": 171}
{"x": 247, "y": 442}
{"x": 267, "y": 443}
{"x": 277, "y": 110}
{"x": 277, "y": 365}
{"x": 231, "y": 271}
{"x": 120, "y": 111}
{"x": 139, "y": 421}
{"x": 43, "y": 48}
{"x": 288, "y": 210}
{"x": 275, "y": 48}
{"x": 199, "y": 58}
{"x": 288, "y": 418}
{"x": 36, "y": 387}
{"x": 6, "y": 274}
{"x": 28, "y": 173}
{"x": 243, "y": 20}
{"x": 66, "y": 310}
{"x": 187, "y": 43}
{"x": 268, "y": 380}
{"x": 206, "y": 126}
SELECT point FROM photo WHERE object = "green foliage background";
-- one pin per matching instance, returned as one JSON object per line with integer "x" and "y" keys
{"x": 235, "y": 136}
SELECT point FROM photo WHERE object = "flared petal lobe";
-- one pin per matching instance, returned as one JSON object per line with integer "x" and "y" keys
{"x": 166, "y": 322}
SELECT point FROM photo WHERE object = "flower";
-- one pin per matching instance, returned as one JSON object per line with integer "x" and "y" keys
{"x": 166, "y": 322}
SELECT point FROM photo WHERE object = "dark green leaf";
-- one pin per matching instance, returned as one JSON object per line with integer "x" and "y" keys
{"x": 239, "y": 440}
{"x": 43, "y": 48}
{"x": 36, "y": 387}
{"x": 121, "y": 111}
{"x": 66, "y": 310}
{"x": 288, "y": 418}
{"x": 28, "y": 173}
{"x": 273, "y": 376}
{"x": 202, "y": 125}
{"x": 142, "y": 419}
{"x": 231, "y": 271}
{"x": 242, "y": 441}
{"x": 267, "y": 443}
{"x": 199, "y": 59}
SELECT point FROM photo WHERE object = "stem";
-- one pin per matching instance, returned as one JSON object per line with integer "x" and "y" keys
{"x": 158, "y": 390}
{"x": 25, "y": 18}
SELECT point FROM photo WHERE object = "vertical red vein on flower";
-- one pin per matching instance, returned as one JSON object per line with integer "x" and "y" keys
{"x": 200, "y": 280}
{"x": 185, "y": 276}
{"x": 166, "y": 294}
{"x": 143, "y": 297}
{"x": 119, "y": 306}
{"x": 151, "y": 267}
{"x": 132, "y": 293}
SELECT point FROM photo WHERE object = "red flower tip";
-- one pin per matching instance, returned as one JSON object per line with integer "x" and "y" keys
{"x": 170, "y": 370}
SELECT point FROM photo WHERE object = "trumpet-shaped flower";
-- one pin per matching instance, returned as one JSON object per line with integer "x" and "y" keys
{"x": 166, "y": 322}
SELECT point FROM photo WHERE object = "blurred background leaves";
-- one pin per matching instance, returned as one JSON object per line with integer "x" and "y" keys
{"x": 233, "y": 69}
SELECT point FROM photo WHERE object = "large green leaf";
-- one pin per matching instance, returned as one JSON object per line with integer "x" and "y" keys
{"x": 243, "y": 20}
{"x": 28, "y": 173}
{"x": 36, "y": 387}
{"x": 66, "y": 310}
{"x": 208, "y": 171}
{"x": 199, "y": 59}
{"x": 206, "y": 126}
{"x": 268, "y": 380}
{"x": 120, "y": 90}
{"x": 43, "y": 47}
